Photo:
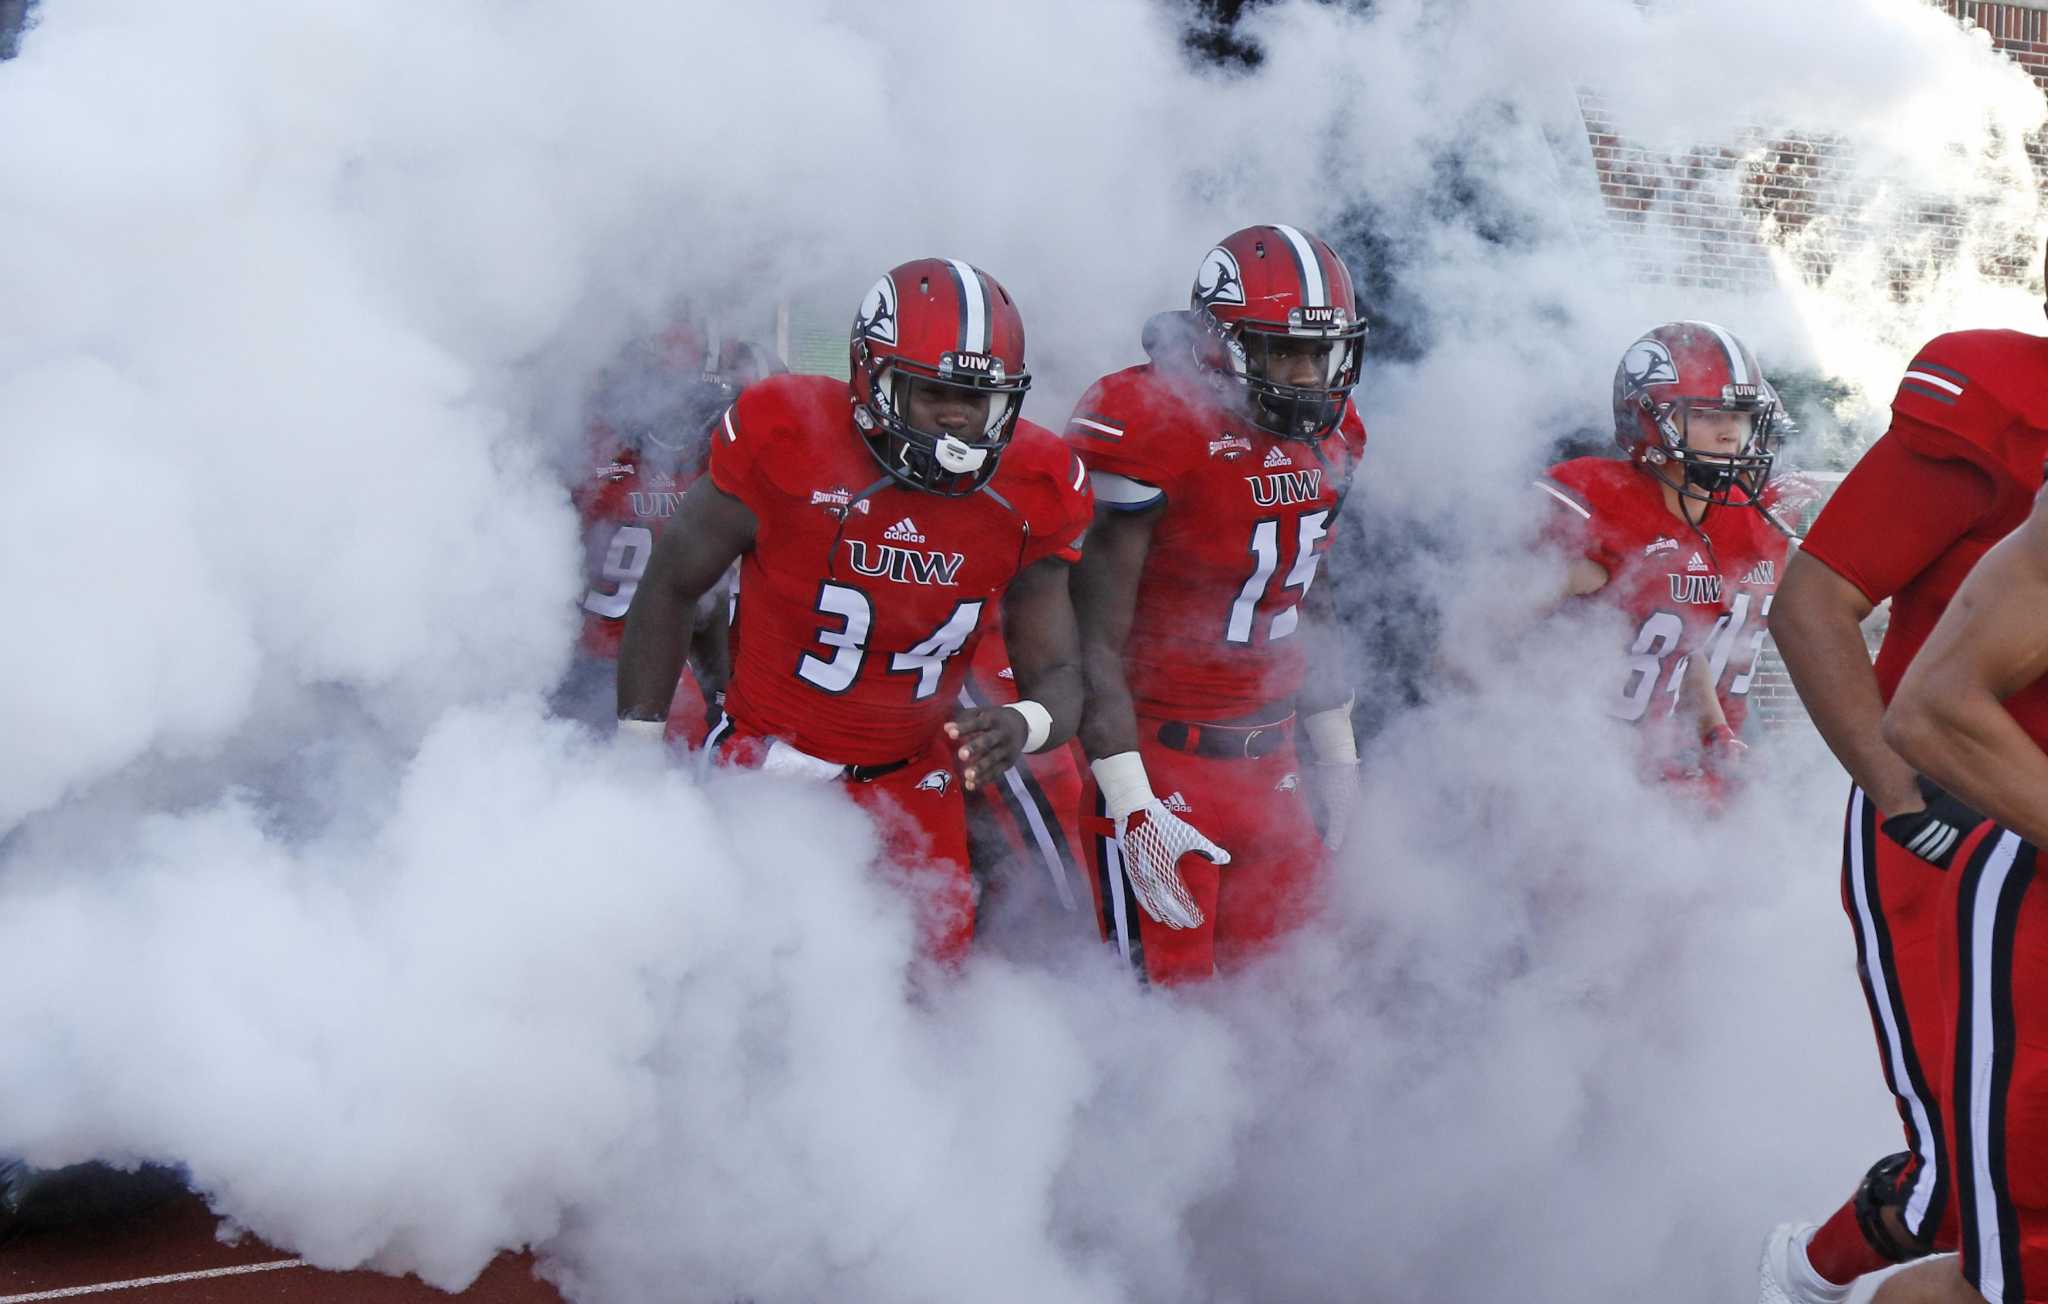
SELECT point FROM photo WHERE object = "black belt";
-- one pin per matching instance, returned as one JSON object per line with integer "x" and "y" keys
{"x": 1230, "y": 742}
{"x": 869, "y": 773}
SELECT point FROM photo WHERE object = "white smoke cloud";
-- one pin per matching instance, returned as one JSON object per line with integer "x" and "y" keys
{"x": 299, "y": 888}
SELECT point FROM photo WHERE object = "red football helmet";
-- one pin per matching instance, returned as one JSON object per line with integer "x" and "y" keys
{"x": 666, "y": 390}
{"x": 938, "y": 321}
{"x": 1687, "y": 367}
{"x": 1268, "y": 298}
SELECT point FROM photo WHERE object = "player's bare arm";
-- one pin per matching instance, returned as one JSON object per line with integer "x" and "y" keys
{"x": 1105, "y": 591}
{"x": 1817, "y": 623}
{"x": 1948, "y": 717}
{"x": 1045, "y": 656}
{"x": 707, "y": 534}
{"x": 711, "y": 641}
{"x": 1696, "y": 697}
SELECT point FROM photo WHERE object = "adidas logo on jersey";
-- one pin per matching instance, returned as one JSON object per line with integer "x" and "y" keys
{"x": 1274, "y": 457}
{"x": 904, "y": 531}
{"x": 1176, "y": 803}
{"x": 1697, "y": 563}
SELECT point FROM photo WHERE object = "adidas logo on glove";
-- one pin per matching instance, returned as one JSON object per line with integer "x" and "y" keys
{"x": 904, "y": 531}
{"x": 1176, "y": 803}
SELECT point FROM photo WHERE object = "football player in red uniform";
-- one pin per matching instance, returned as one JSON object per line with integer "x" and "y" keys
{"x": 649, "y": 433}
{"x": 1678, "y": 537}
{"x": 1950, "y": 719}
{"x": 1953, "y": 475}
{"x": 875, "y": 523}
{"x": 1219, "y": 470}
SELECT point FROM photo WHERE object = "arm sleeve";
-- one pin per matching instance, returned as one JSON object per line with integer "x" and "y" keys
{"x": 1136, "y": 444}
{"x": 1897, "y": 512}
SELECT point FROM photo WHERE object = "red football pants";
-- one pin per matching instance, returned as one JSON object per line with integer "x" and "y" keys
{"x": 1899, "y": 907}
{"x": 1253, "y": 809}
{"x": 1995, "y": 953}
{"x": 923, "y": 822}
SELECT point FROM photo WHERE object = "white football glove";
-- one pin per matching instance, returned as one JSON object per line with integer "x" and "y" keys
{"x": 1151, "y": 840}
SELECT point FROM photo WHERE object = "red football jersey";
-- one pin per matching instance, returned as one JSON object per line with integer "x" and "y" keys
{"x": 1956, "y": 473}
{"x": 624, "y": 505}
{"x": 861, "y": 597}
{"x": 1248, "y": 518}
{"x": 1689, "y": 592}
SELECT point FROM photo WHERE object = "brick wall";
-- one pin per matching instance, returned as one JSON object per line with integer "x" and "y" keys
{"x": 1714, "y": 216}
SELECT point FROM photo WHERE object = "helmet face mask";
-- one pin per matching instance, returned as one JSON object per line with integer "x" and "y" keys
{"x": 1287, "y": 398}
{"x": 1692, "y": 407}
{"x": 932, "y": 335}
{"x": 1283, "y": 336}
{"x": 927, "y": 456}
{"x": 1710, "y": 474}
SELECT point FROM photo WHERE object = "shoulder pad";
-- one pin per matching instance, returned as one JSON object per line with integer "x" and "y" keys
{"x": 1136, "y": 424}
{"x": 1587, "y": 484}
{"x": 768, "y": 434}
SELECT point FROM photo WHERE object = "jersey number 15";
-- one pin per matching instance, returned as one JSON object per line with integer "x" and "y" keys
{"x": 1310, "y": 528}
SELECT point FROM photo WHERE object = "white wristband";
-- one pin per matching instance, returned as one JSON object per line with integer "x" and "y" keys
{"x": 1037, "y": 723}
{"x": 1123, "y": 783}
{"x": 1329, "y": 732}
{"x": 645, "y": 731}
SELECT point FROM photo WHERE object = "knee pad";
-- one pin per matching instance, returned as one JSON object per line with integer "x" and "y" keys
{"x": 1879, "y": 1191}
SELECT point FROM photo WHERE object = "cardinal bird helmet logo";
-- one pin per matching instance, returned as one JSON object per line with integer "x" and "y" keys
{"x": 1647, "y": 363}
{"x": 877, "y": 320}
{"x": 1219, "y": 281}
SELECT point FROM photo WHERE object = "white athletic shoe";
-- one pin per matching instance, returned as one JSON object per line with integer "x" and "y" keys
{"x": 1786, "y": 1277}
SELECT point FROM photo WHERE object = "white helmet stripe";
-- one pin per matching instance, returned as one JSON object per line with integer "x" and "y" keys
{"x": 1738, "y": 370}
{"x": 1314, "y": 293}
{"x": 974, "y": 330}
